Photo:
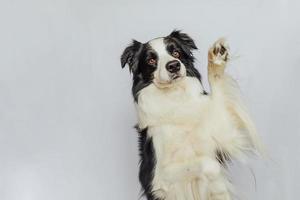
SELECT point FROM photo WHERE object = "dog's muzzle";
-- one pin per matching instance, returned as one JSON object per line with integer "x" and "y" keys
{"x": 173, "y": 68}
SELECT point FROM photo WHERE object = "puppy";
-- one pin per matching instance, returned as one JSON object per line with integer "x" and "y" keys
{"x": 186, "y": 135}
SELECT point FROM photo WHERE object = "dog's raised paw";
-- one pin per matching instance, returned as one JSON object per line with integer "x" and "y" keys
{"x": 218, "y": 54}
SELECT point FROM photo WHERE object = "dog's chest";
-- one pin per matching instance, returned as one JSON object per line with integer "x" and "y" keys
{"x": 175, "y": 143}
{"x": 174, "y": 118}
{"x": 179, "y": 105}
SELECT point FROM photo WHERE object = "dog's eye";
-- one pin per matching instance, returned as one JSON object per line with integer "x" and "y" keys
{"x": 152, "y": 61}
{"x": 176, "y": 54}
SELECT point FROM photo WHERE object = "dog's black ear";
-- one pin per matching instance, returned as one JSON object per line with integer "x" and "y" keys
{"x": 130, "y": 55}
{"x": 183, "y": 39}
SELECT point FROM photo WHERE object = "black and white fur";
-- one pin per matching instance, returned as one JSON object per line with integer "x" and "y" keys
{"x": 186, "y": 135}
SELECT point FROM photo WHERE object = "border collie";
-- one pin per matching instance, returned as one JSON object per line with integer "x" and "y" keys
{"x": 186, "y": 136}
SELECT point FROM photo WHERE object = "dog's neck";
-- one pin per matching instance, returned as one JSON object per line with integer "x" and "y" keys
{"x": 177, "y": 104}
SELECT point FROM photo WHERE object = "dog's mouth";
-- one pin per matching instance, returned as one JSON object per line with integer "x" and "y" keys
{"x": 167, "y": 84}
{"x": 176, "y": 76}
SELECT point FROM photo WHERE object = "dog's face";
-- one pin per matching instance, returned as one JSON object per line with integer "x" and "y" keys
{"x": 161, "y": 61}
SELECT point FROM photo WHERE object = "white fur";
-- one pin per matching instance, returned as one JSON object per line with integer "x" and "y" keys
{"x": 187, "y": 127}
{"x": 161, "y": 75}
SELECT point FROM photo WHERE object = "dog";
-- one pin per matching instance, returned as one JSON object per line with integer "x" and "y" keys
{"x": 186, "y": 135}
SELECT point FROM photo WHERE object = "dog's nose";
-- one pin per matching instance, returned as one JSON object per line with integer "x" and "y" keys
{"x": 173, "y": 66}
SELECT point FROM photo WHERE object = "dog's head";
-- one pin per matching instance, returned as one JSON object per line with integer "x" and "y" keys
{"x": 162, "y": 61}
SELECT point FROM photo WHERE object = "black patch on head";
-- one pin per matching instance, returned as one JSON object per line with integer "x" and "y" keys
{"x": 130, "y": 55}
{"x": 147, "y": 163}
{"x": 185, "y": 45}
{"x": 136, "y": 56}
{"x": 144, "y": 73}
{"x": 186, "y": 41}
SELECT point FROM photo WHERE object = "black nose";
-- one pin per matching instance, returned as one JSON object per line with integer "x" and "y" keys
{"x": 173, "y": 66}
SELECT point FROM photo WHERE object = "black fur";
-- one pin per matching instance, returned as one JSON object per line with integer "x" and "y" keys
{"x": 147, "y": 163}
{"x": 137, "y": 54}
{"x": 130, "y": 55}
{"x": 223, "y": 158}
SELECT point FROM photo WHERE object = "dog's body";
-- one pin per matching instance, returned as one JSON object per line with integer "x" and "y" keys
{"x": 186, "y": 135}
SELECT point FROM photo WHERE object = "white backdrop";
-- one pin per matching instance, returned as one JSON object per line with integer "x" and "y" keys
{"x": 66, "y": 112}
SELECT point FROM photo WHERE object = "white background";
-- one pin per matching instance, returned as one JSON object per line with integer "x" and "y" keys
{"x": 66, "y": 111}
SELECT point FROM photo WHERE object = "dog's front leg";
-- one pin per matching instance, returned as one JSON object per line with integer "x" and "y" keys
{"x": 225, "y": 93}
